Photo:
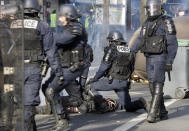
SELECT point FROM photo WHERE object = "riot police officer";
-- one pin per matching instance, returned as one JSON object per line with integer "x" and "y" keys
{"x": 76, "y": 87}
{"x": 38, "y": 42}
{"x": 114, "y": 74}
{"x": 159, "y": 43}
{"x": 70, "y": 44}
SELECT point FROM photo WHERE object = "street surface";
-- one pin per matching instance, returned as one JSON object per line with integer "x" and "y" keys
{"x": 124, "y": 121}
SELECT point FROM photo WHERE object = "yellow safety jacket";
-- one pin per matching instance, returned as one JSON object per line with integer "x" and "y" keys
{"x": 53, "y": 20}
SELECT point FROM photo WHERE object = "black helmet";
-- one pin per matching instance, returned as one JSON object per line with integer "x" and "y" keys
{"x": 69, "y": 11}
{"x": 153, "y": 8}
{"x": 9, "y": 9}
{"x": 115, "y": 36}
{"x": 31, "y": 6}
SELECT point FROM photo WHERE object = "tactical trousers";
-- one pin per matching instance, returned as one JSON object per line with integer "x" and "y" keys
{"x": 74, "y": 98}
{"x": 155, "y": 66}
{"x": 29, "y": 118}
{"x": 69, "y": 78}
{"x": 32, "y": 83}
{"x": 121, "y": 89}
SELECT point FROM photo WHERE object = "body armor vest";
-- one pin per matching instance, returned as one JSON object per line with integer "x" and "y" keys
{"x": 32, "y": 42}
{"x": 153, "y": 43}
{"x": 121, "y": 67}
{"x": 72, "y": 56}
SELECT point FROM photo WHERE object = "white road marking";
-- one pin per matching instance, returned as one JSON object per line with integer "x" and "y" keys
{"x": 135, "y": 93}
{"x": 139, "y": 119}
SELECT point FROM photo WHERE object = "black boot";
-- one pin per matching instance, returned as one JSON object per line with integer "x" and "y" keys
{"x": 155, "y": 104}
{"x": 61, "y": 119}
{"x": 163, "y": 113}
{"x": 151, "y": 86}
{"x": 62, "y": 124}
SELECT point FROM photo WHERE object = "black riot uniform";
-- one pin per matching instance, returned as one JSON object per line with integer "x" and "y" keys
{"x": 71, "y": 49}
{"x": 114, "y": 74}
{"x": 38, "y": 43}
{"x": 159, "y": 43}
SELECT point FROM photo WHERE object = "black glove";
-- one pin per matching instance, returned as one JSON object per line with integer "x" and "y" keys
{"x": 60, "y": 80}
{"x": 76, "y": 28}
{"x": 168, "y": 67}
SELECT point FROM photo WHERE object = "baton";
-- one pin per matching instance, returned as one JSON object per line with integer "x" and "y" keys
{"x": 169, "y": 75}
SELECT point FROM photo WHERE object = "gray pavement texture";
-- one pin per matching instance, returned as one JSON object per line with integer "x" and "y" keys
{"x": 120, "y": 120}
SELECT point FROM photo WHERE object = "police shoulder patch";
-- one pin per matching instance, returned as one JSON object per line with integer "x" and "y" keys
{"x": 123, "y": 49}
{"x": 169, "y": 25}
{"x": 28, "y": 23}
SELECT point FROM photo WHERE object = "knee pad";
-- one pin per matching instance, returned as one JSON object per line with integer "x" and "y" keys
{"x": 50, "y": 93}
{"x": 88, "y": 90}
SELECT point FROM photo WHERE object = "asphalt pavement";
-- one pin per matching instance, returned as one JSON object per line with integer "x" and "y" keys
{"x": 125, "y": 121}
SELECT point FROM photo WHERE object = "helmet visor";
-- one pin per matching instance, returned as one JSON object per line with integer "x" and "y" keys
{"x": 153, "y": 10}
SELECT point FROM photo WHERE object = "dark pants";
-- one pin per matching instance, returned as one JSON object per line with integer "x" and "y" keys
{"x": 32, "y": 83}
{"x": 69, "y": 77}
{"x": 155, "y": 67}
{"x": 74, "y": 91}
{"x": 120, "y": 87}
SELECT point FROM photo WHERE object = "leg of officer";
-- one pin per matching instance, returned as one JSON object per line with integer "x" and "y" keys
{"x": 74, "y": 92}
{"x": 156, "y": 77}
{"x": 162, "y": 112}
{"x": 121, "y": 88}
{"x": 52, "y": 94}
{"x": 125, "y": 99}
{"x": 32, "y": 83}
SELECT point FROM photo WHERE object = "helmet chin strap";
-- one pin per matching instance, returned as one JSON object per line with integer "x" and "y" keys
{"x": 151, "y": 18}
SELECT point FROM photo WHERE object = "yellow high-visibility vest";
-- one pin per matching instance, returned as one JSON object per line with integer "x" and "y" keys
{"x": 87, "y": 22}
{"x": 53, "y": 20}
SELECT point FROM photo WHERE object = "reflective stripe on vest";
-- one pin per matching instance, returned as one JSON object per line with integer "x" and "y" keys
{"x": 53, "y": 20}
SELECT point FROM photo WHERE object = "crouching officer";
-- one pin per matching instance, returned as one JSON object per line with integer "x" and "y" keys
{"x": 37, "y": 39}
{"x": 115, "y": 71}
{"x": 70, "y": 44}
{"x": 158, "y": 42}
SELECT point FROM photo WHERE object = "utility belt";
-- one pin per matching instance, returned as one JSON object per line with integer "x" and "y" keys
{"x": 32, "y": 61}
{"x": 111, "y": 79}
